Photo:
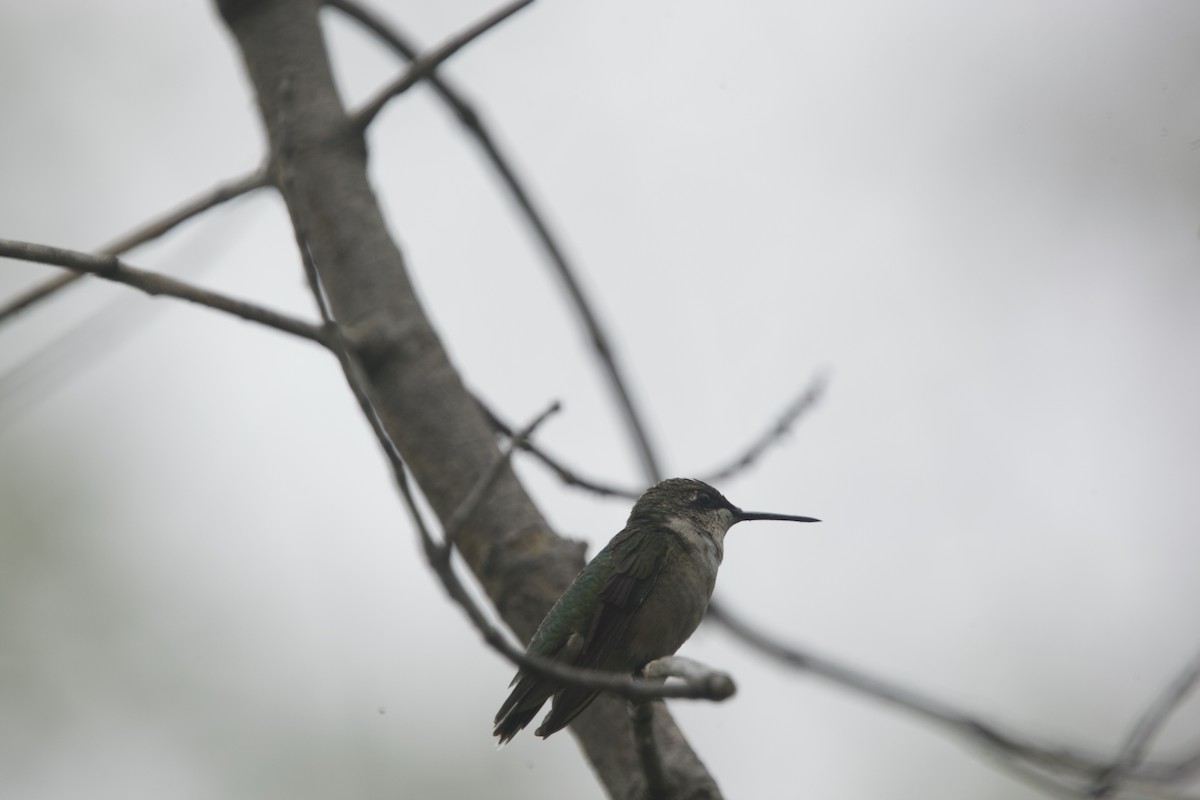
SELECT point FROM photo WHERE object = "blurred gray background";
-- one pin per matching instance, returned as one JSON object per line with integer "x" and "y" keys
{"x": 982, "y": 220}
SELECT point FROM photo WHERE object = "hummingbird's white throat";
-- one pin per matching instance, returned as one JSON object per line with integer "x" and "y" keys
{"x": 705, "y": 534}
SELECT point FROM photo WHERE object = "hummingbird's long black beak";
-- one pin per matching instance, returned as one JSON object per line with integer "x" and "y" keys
{"x": 743, "y": 516}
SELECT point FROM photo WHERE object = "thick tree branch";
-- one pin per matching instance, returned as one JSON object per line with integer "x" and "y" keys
{"x": 642, "y": 712}
{"x": 641, "y": 720}
{"x": 319, "y": 159}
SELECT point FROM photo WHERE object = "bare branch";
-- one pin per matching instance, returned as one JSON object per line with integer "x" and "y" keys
{"x": 481, "y": 487}
{"x": 641, "y": 721}
{"x": 641, "y": 713}
{"x": 564, "y": 474}
{"x": 221, "y": 193}
{"x": 33, "y": 296}
{"x": 794, "y": 410}
{"x": 1147, "y": 727}
{"x": 1051, "y": 763}
{"x": 806, "y": 401}
{"x": 1170, "y": 773}
{"x": 424, "y": 65}
{"x": 566, "y": 272}
{"x": 139, "y": 236}
{"x": 691, "y": 671}
{"x": 113, "y": 269}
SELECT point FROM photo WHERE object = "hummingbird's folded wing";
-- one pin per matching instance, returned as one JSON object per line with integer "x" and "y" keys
{"x": 608, "y": 646}
{"x": 634, "y": 571}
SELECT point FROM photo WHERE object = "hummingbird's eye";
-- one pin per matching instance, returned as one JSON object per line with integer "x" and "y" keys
{"x": 704, "y": 500}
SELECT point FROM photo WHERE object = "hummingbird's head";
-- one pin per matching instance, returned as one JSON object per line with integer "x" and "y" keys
{"x": 694, "y": 505}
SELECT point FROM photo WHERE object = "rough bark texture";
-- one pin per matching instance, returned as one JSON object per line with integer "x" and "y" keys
{"x": 319, "y": 163}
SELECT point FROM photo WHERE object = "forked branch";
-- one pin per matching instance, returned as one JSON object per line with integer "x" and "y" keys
{"x": 114, "y": 269}
{"x": 144, "y": 233}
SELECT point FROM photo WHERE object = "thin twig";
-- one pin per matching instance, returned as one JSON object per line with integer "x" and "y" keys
{"x": 139, "y": 236}
{"x": 1040, "y": 780}
{"x": 474, "y": 497}
{"x": 221, "y": 193}
{"x": 426, "y": 64}
{"x": 113, "y": 269}
{"x": 1047, "y": 758}
{"x": 33, "y": 296}
{"x": 1170, "y": 773}
{"x": 470, "y": 118}
{"x": 795, "y": 409}
{"x": 71, "y": 353}
{"x": 874, "y": 687}
{"x": 1147, "y": 727}
{"x": 565, "y": 474}
{"x": 456, "y": 520}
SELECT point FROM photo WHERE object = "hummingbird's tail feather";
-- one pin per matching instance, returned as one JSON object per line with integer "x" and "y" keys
{"x": 567, "y": 705}
{"x": 512, "y": 723}
{"x": 532, "y": 692}
{"x": 521, "y": 706}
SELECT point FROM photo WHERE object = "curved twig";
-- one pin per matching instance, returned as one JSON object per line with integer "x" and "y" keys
{"x": 424, "y": 65}
{"x": 470, "y": 118}
{"x": 1147, "y": 727}
{"x": 803, "y": 403}
{"x": 564, "y": 473}
{"x": 1051, "y": 763}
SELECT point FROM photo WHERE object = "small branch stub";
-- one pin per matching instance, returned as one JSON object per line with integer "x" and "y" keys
{"x": 709, "y": 683}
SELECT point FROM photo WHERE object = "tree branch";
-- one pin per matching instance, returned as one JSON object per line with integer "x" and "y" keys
{"x": 426, "y": 64}
{"x": 782, "y": 425}
{"x": 471, "y": 119}
{"x": 471, "y": 502}
{"x": 139, "y": 236}
{"x": 1052, "y": 764}
{"x": 113, "y": 269}
{"x": 565, "y": 474}
{"x": 1152, "y": 720}
{"x": 641, "y": 720}
{"x": 435, "y": 424}
{"x": 691, "y": 671}
{"x": 794, "y": 410}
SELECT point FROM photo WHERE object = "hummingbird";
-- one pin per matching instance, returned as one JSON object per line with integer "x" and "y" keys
{"x": 638, "y": 600}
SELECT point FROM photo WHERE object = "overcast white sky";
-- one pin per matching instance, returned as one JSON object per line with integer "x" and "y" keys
{"x": 981, "y": 220}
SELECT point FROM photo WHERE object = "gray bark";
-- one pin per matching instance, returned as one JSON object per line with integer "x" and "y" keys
{"x": 318, "y": 160}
